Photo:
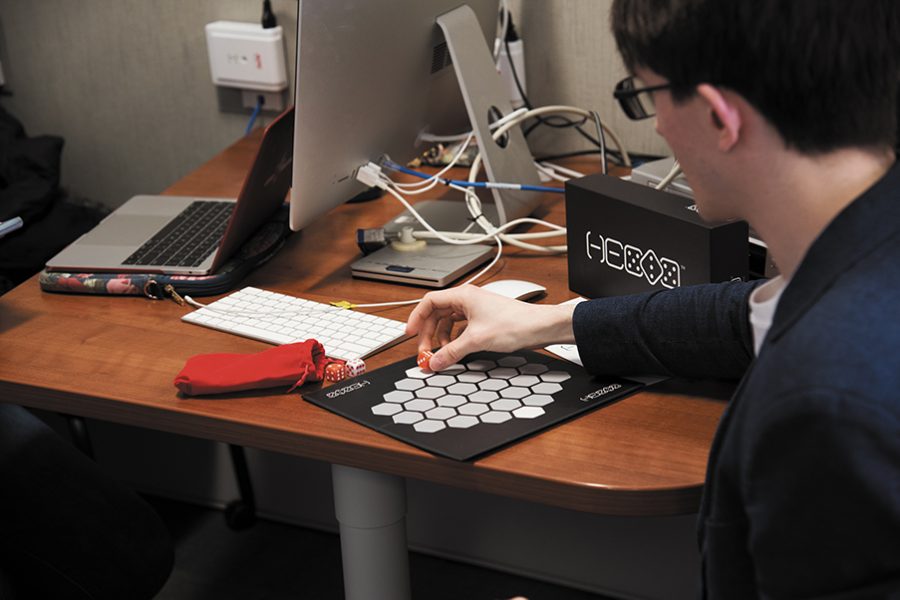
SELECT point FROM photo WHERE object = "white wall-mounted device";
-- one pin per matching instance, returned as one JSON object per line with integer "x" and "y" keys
{"x": 246, "y": 56}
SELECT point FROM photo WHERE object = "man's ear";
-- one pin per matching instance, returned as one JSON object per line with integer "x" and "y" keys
{"x": 724, "y": 114}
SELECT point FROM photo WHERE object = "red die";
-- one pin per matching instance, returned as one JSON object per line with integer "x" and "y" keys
{"x": 355, "y": 366}
{"x": 335, "y": 372}
{"x": 423, "y": 359}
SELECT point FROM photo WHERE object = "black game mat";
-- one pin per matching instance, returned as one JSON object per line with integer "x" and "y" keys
{"x": 485, "y": 402}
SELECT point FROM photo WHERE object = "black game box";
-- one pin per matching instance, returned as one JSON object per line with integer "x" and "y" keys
{"x": 626, "y": 238}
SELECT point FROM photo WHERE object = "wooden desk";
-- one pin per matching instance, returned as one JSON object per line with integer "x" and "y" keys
{"x": 115, "y": 358}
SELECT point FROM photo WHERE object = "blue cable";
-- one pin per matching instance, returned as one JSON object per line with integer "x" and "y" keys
{"x": 254, "y": 114}
{"x": 477, "y": 184}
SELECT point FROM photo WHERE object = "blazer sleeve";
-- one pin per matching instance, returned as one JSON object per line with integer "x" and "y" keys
{"x": 700, "y": 331}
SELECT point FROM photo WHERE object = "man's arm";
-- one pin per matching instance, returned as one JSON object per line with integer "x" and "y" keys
{"x": 493, "y": 322}
{"x": 700, "y": 331}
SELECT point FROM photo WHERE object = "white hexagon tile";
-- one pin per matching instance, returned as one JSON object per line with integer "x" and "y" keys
{"x": 465, "y": 395}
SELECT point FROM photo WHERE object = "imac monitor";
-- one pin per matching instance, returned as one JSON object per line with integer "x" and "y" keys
{"x": 372, "y": 75}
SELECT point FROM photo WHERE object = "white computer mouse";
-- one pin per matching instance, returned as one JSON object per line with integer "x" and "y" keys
{"x": 515, "y": 288}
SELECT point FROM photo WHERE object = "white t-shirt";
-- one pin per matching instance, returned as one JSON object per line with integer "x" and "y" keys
{"x": 763, "y": 302}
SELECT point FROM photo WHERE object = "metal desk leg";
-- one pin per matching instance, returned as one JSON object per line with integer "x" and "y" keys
{"x": 371, "y": 510}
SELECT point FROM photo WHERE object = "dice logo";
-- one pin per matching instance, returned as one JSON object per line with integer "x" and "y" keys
{"x": 633, "y": 261}
{"x": 636, "y": 262}
{"x": 671, "y": 273}
{"x": 615, "y": 254}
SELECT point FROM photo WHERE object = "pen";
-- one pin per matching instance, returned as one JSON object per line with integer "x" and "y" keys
{"x": 10, "y": 225}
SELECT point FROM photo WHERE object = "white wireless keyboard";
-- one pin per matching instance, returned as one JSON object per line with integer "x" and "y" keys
{"x": 281, "y": 319}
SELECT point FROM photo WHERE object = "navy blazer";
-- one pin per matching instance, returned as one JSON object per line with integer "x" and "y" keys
{"x": 802, "y": 495}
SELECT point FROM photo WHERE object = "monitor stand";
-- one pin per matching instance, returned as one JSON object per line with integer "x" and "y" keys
{"x": 507, "y": 160}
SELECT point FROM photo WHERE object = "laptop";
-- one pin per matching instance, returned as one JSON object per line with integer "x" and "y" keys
{"x": 184, "y": 234}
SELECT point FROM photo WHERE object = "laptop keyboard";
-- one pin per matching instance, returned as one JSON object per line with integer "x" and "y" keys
{"x": 187, "y": 239}
{"x": 281, "y": 319}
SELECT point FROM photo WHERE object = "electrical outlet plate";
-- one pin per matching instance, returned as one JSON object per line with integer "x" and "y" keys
{"x": 246, "y": 56}
{"x": 272, "y": 101}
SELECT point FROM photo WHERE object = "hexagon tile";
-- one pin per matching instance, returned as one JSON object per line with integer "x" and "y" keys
{"x": 482, "y": 391}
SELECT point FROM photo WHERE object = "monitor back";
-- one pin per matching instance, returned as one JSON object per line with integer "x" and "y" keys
{"x": 371, "y": 76}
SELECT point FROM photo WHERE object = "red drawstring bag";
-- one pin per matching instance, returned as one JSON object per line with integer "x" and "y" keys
{"x": 290, "y": 364}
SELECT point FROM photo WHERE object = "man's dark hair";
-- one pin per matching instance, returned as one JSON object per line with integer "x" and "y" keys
{"x": 824, "y": 72}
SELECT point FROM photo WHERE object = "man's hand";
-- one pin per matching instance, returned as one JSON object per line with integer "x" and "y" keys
{"x": 495, "y": 323}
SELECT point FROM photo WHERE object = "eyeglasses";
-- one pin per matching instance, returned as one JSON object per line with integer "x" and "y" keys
{"x": 636, "y": 101}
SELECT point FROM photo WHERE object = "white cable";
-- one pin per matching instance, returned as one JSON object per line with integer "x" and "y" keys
{"x": 670, "y": 177}
{"x": 474, "y": 205}
{"x": 550, "y": 172}
{"x": 427, "y": 235}
{"x": 434, "y": 179}
{"x": 428, "y": 137}
{"x": 476, "y": 162}
{"x": 466, "y": 240}
{"x": 561, "y": 169}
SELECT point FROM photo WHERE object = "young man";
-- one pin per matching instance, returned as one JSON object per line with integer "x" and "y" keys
{"x": 782, "y": 114}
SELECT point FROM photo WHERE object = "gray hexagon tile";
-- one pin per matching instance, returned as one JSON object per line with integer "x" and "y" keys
{"x": 471, "y": 377}
{"x": 417, "y": 373}
{"x": 505, "y": 404}
{"x": 440, "y": 381}
{"x": 462, "y": 388}
{"x": 528, "y": 412}
{"x": 481, "y": 365}
{"x": 523, "y": 381}
{"x": 407, "y": 417}
{"x": 420, "y": 404}
{"x": 430, "y": 392}
{"x": 429, "y": 426}
{"x": 483, "y": 396}
{"x": 555, "y": 376}
{"x": 511, "y": 361}
{"x": 453, "y": 369}
{"x": 386, "y": 409}
{"x": 441, "y": 413}
{"x": 398, "y": 396}
{"x": 496, "y": 416}
{"x": 502, "y": 373}
{"x": 462, "y": 422}
{"x": 533, "y": 369}
{"x": 472, "y": 409}
{"x": 537, "y": 400}
{"x": 493, "y": 384}
{"x": 546, "y": 388}
{"x": 515, "y": 392}
{"x": 409, "y": 384}
{"x": 451, "y": 400}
